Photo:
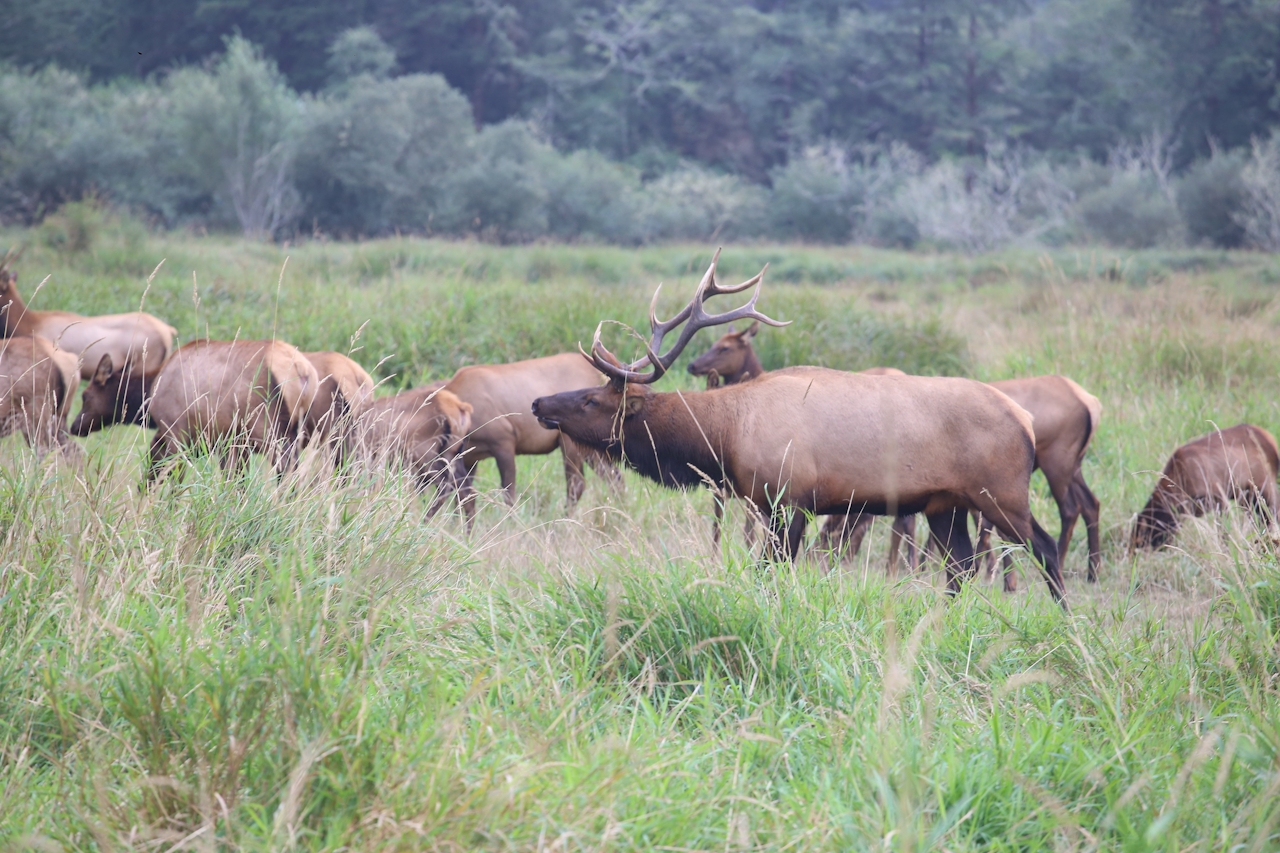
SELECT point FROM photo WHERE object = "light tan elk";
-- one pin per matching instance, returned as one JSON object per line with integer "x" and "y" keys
{"x": 808, "y": 439}
{"x": 732, "y": 359}
{"x": 502, "y": 428}
{"x": 37, "y": 382}
{"x": 422, "y": 428}
{"x": 345, "y": 393}
{"x": 1065, "y": 417}
{"x": 137, "y": 341}
{"x": 1237, "y": 464}
{"x": 235, "y": 397}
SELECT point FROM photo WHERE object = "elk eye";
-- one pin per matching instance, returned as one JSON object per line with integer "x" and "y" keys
{"x": 590, "y": 401}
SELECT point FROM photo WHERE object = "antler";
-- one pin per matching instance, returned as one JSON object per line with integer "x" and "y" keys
{"x": 10, "y": 256}
{"x": 695, "y": 318}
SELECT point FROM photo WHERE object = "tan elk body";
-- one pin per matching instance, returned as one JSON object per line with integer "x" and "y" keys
{"x": 37, "y": 383}
{"x": 502, "y": 427}
{"x": 817, "y": 440}
{"x": 344, "y": 394}
{"x": 138, "y": 341}
{"x": 732, "y": 359}
{"x": 1237, "y": 464}
{"x": 422, "y": 428}
{"x": 235, "y": 396}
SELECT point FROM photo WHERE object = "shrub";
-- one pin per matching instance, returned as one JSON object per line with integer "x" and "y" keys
{"x": 697, "y": 204}
{"x": 499, "y": 194}
{"x": 590, "y": 197}
{"x": 378, "y": 154}
{"x": 1210, "y": 197}
{"x": 818, "y": 195}
{"x": 237, "y": 127}
{"x": 1131, "y": 212}
{"x": 1260, "y": 217}
{"x": 358, "y": 52}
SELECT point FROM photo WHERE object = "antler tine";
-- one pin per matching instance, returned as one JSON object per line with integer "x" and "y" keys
{"x": 608, "y": 364}
{"x": 702, "y": 319}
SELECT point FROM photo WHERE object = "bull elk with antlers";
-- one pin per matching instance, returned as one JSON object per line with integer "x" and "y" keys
{"x": 137, "y": 342}
{"x": 812, "y": 440}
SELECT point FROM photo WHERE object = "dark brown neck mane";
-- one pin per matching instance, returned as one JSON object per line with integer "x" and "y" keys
{"x": 671, "y": 440}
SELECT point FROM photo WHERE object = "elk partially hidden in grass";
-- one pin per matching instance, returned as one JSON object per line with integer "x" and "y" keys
{"x": 1065, "y": 418}
{"x": 236, "y": 397}
{"x": 732, "y": 359}
{"x": 37, "y": 382}
{"x": 345, "y": 393}
{"x": 811, "y": 440}
{"x": 502, "y": 428}
{"x": 1237, "y": 464}
{"x": 137, "y": 342}
{"x": 422, "y": 429}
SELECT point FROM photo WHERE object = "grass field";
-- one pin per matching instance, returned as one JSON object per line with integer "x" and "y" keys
{"x": 235, "y": 664}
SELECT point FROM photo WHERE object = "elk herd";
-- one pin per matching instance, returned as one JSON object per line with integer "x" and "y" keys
{"x": 790, "y": 443}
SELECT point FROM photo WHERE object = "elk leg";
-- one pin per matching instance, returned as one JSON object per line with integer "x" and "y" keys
{"x": 506, "y": 459}
{"x": 1090, "y": 508}
{"x": 985, "y": 556}
{"x": 786, "y": 533}
{"x": 162, "y": 448}
{"x": 717, "y": 508}
{"x": 902, "y": 531}
{"x": 905, "y": 525}
{"x": 950, "y": 530}
{"x": 1010, "y": 577}
{"x": 575, "y": 482}
{"x": 1026, "y": 531}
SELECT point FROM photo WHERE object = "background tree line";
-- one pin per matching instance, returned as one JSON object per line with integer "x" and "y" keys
{"x": 970, "y": 123}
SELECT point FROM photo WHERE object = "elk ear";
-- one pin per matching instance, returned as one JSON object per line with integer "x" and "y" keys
{"x": 750, "y": 331}
{"x": 104, "y": 371}
{"x": 634, "y": 404}
{"x": 462, "y": 423}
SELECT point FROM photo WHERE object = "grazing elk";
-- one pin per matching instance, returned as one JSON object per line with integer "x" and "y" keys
{"x": 422, "y": 428}
{"x": 732, "y": 359}
{"x": 237, "y": 396}
{"x": 502, "y": 428}
{"x": 1237, "y": 464}
{"x": 113, "y": 396}
{"x": 344, "y": 394}
{"x": 1065, "y": 418}
{"x": 136, "y": 341}
{"x": 809, "y": 439}
{"x": 37, "y": 381}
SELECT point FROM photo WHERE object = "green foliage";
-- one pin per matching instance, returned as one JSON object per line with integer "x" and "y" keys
{"x": 315, "y": 664}
{"x": 1131, "y": 211}
{"x": 1211, "y": 197}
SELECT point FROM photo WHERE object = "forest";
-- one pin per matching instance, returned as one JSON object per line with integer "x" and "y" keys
{"x": 966, "y": 124}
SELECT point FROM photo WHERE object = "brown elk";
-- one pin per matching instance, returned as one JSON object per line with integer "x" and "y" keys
{"x": 1066, "y": 417}
{"x": 502, "y": 428}
{"x": 137, "y": 341}
{"x": 345, "y": 393}
{"x": 235, "y": 396}
{"x": 113, "y": 396}
{"x": 813, "y": 440}
{"x": 1237, "y": 464}
{"x": 37, "y": 382}
{"x": 423, "y": 429}
{"x": 732, "y": 359}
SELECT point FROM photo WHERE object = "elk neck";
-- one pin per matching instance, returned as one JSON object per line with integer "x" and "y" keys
{"x": 751, "y": 368}
{"x": 677, "y": 435}
{"x": 17, "y": 320}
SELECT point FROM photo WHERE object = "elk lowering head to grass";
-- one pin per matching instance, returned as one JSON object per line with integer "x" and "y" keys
{"x": 113, "y": 396}
{"x": 345, "y": 393}
{"x": 1236, "y": 464}
{"x": 137, "y": 341}
{"x": 811, "y": 440}
{"x": 233, "y": 397}
{"x": 37, "y": 381}
{"x": 422, "y": 429}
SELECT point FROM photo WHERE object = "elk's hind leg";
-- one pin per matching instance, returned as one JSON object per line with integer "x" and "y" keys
{"x": 786, "y": 533}
{"x": 1091, "y": 508}
{"x": 949, "y": 530}
{"x": 1023, "y": 529}
{"x": 842, "y": 536}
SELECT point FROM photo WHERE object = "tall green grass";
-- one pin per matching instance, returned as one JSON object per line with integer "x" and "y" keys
{"x": 229, "y": 662}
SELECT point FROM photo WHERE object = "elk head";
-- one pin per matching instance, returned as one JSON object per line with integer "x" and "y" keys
{"x": 731, "y": 358}
{"x": 594, "y": 416}
{"x": 111, "y": 397}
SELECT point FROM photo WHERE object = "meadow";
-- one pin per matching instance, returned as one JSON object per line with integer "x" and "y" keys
{"x": 244, "y": 664}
